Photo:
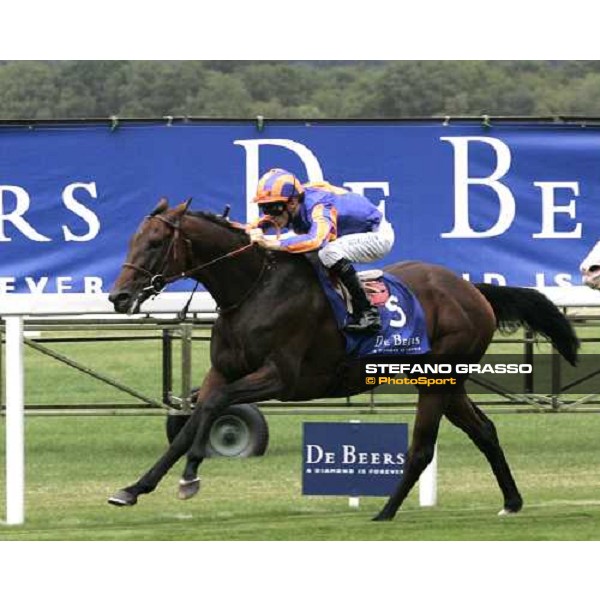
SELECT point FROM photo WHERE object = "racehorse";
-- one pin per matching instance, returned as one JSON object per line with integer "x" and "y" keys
{"x": 590, "y": 268}
{"x": 276, "y": 338}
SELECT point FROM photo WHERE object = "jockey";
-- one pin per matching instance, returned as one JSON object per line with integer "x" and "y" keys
{"x": 343, "y": 226}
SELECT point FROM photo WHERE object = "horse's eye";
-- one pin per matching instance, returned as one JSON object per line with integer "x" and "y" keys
{"x": 155, "y": 243}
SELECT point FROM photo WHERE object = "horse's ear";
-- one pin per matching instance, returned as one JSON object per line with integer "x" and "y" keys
{"x": 182, "y": 208}
{"x": 162, "y": 205}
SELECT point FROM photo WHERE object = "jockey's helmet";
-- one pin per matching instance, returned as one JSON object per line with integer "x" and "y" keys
{"x": 278, "y": 185}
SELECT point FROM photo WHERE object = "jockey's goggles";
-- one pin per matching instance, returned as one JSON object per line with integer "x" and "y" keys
{"x": 273, "y": 209}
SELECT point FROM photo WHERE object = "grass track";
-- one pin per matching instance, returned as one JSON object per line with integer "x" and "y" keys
{"x": 74, "y": 463}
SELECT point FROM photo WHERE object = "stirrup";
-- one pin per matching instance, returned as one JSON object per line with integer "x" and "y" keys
{"x": 367, "y": 322}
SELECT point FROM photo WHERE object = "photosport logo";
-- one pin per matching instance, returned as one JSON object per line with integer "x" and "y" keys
{"x": 399, "y": 374}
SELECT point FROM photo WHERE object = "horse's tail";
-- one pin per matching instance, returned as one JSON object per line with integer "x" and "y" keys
{"x": 516, "y": 307}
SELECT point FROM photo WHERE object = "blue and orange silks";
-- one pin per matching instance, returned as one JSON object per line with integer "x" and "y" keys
{"x": 277, "y": 185}
{"x": 329, "y": 212}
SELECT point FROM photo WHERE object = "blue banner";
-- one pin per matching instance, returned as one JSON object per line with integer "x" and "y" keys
{"x": 515, "y": 203}
{"x": 353, "y": 459}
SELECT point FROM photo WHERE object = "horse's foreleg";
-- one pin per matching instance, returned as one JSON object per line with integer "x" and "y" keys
{"x": 464, "y": 414}
{"x": 263, "y": 384}
{"x": 430, "y": 409}
{"x": 148, "y": 482}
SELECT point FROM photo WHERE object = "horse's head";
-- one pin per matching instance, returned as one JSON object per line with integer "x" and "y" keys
{"x": 156, "y": 254}
{"x": 590, "y": 268}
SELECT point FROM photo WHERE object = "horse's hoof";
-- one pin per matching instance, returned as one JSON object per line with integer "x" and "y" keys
{"x": 188, "y": 489}
{"x": 507, "y": 512}
{"x": 382, "y": 517}
{"x": 512, "y": 507}
{"x": 123, "y": 498}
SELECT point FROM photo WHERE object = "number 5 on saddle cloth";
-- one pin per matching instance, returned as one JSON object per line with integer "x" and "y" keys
{"x": 403, "y": 330}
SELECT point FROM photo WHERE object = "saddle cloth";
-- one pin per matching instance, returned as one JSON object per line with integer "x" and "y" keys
{"x": 403, "y": 331}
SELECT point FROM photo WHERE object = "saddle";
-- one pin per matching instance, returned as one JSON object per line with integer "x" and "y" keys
{"x": 375, "y": 287}
{"x": 403, "y": 323}
{"x": 372, "y": 282}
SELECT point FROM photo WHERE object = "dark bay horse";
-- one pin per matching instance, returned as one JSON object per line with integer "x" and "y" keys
{"x": 276, "y": 338}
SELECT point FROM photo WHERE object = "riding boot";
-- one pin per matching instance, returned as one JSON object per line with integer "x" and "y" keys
{"x": 365, "y": 317}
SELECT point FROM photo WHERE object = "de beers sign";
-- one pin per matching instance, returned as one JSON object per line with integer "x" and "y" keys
{"x": 353, "y": 459}
{"x": 457, "y": 193}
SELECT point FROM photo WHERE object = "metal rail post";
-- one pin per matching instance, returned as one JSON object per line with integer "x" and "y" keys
{"x": 167, "y": 366}
{"x": 529, "y": 358}
{"x": 556, "y": 379}
{"x": 186, "y": 360}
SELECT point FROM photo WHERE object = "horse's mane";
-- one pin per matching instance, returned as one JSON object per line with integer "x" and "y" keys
{"x": 219, "y": 220}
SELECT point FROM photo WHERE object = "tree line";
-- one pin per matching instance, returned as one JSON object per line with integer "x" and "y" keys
{"x": 297, "y": 89}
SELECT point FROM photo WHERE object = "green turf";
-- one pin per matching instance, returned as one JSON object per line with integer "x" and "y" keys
{"x": 74, "y": 463}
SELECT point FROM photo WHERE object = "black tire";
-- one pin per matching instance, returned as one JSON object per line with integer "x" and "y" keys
{"x": 241, "y": 431}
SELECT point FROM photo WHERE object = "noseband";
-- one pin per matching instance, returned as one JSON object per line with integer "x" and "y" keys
{"x": 157, "y": 281}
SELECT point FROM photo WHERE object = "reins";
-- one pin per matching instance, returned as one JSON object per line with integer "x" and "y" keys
{"x": 265, "y": 266}
{"x": 183, "y": 312}
{"x": 158, "y": 281}
{"x": 187, "y": 273}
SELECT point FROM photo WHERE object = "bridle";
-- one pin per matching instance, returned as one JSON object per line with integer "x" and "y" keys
{"x": 158, "y": 281}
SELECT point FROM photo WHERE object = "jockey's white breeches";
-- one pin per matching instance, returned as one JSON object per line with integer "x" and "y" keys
{"x": 359, "y": 247}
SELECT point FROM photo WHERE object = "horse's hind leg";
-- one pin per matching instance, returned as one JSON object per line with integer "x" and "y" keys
{"x": 462, "y": 412}
{"x": 430, "y": 409}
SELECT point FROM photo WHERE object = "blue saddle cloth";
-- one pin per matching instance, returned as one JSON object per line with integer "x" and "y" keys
{"x": 403, "y": 331}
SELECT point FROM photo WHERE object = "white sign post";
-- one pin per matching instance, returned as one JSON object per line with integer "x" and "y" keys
{"x": 428, "y": 483}
{"x": 14, "y": 306}
{"x": 15, "y": 422}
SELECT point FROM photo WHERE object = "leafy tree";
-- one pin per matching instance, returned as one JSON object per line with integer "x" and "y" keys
{"x": 90, "y": 88}
{"x": 583, "y": 97}
{"x": 223, "y": 95}
{"x": 158, "y": 88}
{"x": 292, "y": 85}
{"x": 28, "y": 93}
{"x": 296, "y": 89}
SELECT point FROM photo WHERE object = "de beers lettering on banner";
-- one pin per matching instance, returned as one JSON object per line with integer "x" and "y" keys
{"x": 515, "y": 203}
{"x": 353, "y": 459}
